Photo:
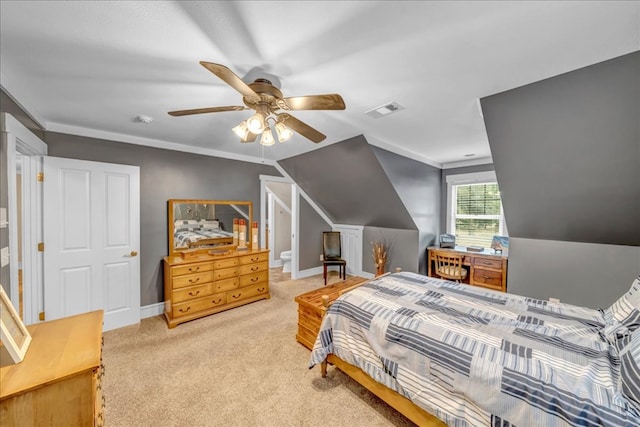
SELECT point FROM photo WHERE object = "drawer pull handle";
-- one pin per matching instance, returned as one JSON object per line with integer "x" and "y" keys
{"x": 196, "y": 269}
{"x": 255, "y": 268}
{"x": 254, "y": 259}
{"x": 236, "y": 296}
{"x": 194, "y": 295}
{"x": 261, "y": 289}
{"x": 194, "y": 281}
{"x": 217, "y": 301}
{"x": 184, "y": 311}
{"x": 255, "y": 279}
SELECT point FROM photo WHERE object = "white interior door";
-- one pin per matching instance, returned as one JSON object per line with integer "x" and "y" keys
{"x": 91, "y": 237}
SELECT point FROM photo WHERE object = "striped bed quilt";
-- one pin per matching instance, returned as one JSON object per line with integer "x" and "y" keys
{"x": 476, "y": 357}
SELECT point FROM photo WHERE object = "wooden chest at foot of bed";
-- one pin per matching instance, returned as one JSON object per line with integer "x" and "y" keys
{"x": 311, "y": 308}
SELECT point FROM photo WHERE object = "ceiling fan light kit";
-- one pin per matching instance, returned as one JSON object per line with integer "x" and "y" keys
{"x": 267, "y": 101}
{"x": 267, "y": 137}
{"x": 256, "y": 123}
{"x": 284, "y": 133}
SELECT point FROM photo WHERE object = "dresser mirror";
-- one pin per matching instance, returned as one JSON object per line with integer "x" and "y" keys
{"x": 204, "y": 224}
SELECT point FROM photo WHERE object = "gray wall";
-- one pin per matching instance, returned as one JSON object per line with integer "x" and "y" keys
{"x": 402, "y": 248}
{"x": 165, "y": 175}
{"x": 586, "y": 274}
{"x": 347, "y": 181}
{"x": 419, "y": 187}
{"x": 310, "y": 240}
{"x": 566, "y": 152}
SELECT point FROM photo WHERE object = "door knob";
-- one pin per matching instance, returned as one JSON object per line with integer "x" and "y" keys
{"x": 133, "y": 253}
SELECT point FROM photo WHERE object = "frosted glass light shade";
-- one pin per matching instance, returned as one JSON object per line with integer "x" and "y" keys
{"x": 242, "y": 130}
{"x": 267, "y": 137}
{"x": 255, "y": 123}
{"x": 284, "y": 133}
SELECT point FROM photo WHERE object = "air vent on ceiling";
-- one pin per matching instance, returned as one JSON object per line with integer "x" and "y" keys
{"x": 384, "y": 110}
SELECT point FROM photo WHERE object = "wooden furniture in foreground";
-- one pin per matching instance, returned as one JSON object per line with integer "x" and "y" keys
{"x": 486, "y": 269}
{"x": 205, "y": 284}
{"x": 59, "y": 380}
{"x": 312, "y": 306}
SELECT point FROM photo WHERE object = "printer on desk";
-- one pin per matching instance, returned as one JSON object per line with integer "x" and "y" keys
{"x": 447, "y": 241}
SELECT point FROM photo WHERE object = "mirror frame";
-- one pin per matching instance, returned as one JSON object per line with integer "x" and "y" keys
{"x": 171, "y": 203}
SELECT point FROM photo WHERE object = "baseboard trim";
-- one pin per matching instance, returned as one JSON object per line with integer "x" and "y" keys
{"x": 151, "y": 310}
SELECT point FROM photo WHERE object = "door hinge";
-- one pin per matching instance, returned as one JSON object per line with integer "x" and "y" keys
{"x": 41, "y": 247}
{"x": 40, "y": 176}
{"x": 41, "y": 316}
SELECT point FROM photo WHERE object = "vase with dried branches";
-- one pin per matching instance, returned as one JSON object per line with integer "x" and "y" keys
{"x": 380, "y": 256}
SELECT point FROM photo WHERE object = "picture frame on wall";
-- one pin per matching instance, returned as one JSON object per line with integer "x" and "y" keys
{"x": 13, "y": 333}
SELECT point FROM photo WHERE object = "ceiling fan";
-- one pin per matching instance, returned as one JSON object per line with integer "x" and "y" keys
{"x": 269, "y": 104}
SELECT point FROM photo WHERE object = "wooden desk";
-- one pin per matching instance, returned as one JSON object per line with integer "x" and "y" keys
{"x": 59, "y": 381}
{"x": 486, "y": 269}
{"x": 311, "y": 308}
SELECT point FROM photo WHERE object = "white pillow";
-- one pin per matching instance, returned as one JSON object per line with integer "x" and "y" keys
{"x": 626, "y": 310}
{"x": 210, "y": 224}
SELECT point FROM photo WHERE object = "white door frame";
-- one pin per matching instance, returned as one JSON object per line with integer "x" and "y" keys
{"x": 264, "y": 205}
{"x": 21, "y": 140}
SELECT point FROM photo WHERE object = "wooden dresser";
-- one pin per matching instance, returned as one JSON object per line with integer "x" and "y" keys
{"x": 206, "y": 284}
{"x": 313, "y": 304}
{"x": 59, "y": 381}
{"x": 486, "y": 269}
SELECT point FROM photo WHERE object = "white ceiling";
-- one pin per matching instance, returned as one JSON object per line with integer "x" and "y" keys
{"x": 89, "y": 68}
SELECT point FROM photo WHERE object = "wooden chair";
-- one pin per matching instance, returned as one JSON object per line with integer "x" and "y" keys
{"x": 449, "y": 266}
{"x": 332, "y": 254}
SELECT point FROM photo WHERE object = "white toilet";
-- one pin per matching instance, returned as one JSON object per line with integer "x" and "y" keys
{"x": 285, "y": 257}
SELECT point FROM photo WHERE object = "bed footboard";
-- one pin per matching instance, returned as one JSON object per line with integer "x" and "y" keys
{"x": 390, "y": 397}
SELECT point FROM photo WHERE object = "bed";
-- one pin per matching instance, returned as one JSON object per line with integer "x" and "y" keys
{"x": 471, "y": 356}
{"x": 197, "y": 233}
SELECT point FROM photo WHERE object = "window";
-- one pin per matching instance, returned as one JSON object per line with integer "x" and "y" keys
{"x": 474, "y": 209}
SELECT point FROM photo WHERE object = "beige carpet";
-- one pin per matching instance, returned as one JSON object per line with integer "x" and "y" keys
{"x": 241, "y": 367}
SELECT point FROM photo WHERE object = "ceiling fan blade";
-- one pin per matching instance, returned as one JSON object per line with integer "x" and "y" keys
{"x": 302, "y": 128}
{"x": 229, "y": 77}
{"x": 250, "y": 138}
{"x": 206, "y": 110}
{"x": 331, "y": 101}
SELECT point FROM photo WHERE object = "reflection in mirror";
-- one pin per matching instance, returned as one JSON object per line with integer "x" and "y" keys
{"x": 203, "y": 224}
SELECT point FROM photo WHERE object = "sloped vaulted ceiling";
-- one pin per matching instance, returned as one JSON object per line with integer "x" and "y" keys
{"x": 566, "y": 151}
{"x": 347, "y": 181}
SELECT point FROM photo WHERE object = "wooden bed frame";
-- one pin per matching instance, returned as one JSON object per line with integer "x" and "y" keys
{"x": 390, "y": 397}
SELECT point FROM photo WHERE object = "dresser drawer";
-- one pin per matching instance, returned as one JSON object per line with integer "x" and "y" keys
{"x": 253, "y": 258}
{"x": 192, "y": 279}
{"x": 253, "y": 268}
{"x": 185, "y": 294}
{"x": 254, "y": 279}
{"x": 199, "y": 304}
{"x": 191, "y": 268}
{"x": 225, "y": 263}
{"x": 225, "y": 273}
{"x": 487, "y": 277}
{"x": 247, "y": 292}
{"x": 487, "y": 262}
{"x": 226, "y": 284}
